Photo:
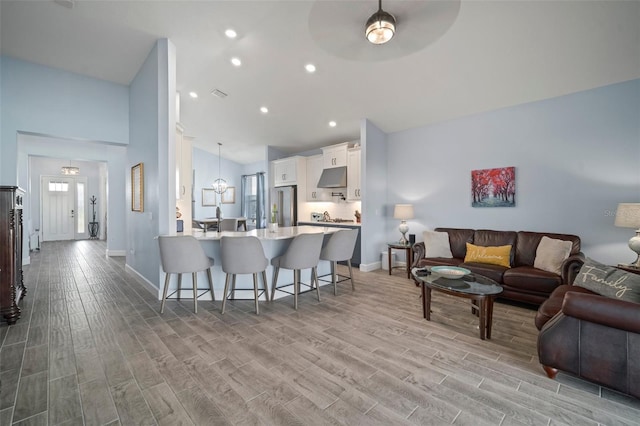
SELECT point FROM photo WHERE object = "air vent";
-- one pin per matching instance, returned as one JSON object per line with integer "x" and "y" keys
{"x": 66, "y": 3}
{"x": 218, "y": 93}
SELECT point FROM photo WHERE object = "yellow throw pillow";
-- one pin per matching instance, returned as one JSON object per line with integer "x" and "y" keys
{"x": 494, "y": 255}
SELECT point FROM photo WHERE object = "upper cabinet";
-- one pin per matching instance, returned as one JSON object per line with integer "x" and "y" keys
{"x": 290, "y": 171}
{"x": 314, "y": 170}
{"x": 335, "y": 155}
{"x": 353, "y": 174}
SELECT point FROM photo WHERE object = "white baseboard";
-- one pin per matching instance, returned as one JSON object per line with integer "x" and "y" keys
{"x": 147, "y": 284}
{"x": 370, "y": 266}
{"x": 116, "y": 253}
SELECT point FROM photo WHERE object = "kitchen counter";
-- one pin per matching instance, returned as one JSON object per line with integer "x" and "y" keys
{"x": 274, "y": 245}
{"x": 332, "y": 224}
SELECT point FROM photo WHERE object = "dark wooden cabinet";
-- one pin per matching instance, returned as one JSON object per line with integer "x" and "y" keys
{"x": 12, "y": 288}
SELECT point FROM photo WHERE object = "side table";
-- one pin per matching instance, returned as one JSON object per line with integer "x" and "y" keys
{"x": 408, "y": 252}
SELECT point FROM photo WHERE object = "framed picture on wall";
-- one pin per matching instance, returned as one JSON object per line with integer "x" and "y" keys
{"x": 137, "y": 188}
{"x": 208, "y": 197}
{"x": 229, "y": 196}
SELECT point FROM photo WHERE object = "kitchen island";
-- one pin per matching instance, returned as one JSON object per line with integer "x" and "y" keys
{"x": 274, "y": 245}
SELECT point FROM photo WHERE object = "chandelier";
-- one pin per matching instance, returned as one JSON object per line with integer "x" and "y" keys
{"x": 219, "y": 185}
{"x": 70, "y": 170}
{"x": 380, "y": 27}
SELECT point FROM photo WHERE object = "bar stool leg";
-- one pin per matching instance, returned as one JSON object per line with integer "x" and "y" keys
{"x": 334, "y": 279}
{"x": 195, "y": 292}
{"x": 233, "y": 286}
{"x": 274, "y": 282}
{"x": 213, "y": 294}
{"x": 255, "y": 291}
{"x": 179, "y": 286}
{"x": 314, "y": 276}
{"x": 296, "y": 284}
{"x": 353, "y": 287}
{"x": 266, "y": 286}
{"x": 226, "y": 290}
{"x": 164, "y": 293}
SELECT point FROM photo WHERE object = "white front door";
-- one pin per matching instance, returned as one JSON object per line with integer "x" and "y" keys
{"x": 64, "y": 208}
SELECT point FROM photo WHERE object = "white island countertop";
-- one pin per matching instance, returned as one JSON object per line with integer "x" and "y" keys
{"x": 283, "y": 233}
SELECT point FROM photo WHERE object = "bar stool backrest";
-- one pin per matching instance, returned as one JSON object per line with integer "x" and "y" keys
{"x": 303, "y": 252}
{"x": 182, "y": 254}
{"x": 242, "y": 255}
{"x": 340, "y": 245}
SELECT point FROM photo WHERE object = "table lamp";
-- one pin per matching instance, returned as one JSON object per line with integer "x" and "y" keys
{"x": 403, "y": 212}
{"x": 628, "y": 216}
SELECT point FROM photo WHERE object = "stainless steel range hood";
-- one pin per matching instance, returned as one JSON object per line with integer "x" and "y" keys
{"x": 335, "y": 177}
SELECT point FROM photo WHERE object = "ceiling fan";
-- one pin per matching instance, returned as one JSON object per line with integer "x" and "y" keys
{"x": 338, "y": 27}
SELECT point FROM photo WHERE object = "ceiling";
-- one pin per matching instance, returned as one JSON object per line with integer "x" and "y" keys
{"x": 448, "y": 59}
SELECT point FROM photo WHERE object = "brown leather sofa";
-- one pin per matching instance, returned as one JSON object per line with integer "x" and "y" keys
{"x": 522, "y": 282}
{"x": 591, "y": 336}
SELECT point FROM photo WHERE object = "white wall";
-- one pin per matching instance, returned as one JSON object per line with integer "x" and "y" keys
{"x": 576, "y": 158}
{"x": 152, "y": 124}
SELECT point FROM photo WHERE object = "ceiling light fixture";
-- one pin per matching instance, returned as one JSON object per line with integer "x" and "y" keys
{"x": 310, "y": 68}
{"x": 194, "y": 95}
{"x": 219, "y": 185}
{"x": 236, "y": 62}
{"x": 264, "y": 110}
{"x": 70, "y": 170}
{"x": 381, "y": 26}
{"x": 332, "y": 124}
{"x": 230, "y": 33}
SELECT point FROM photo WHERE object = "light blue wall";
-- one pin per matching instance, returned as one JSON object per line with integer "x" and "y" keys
{"x": 152, "y": 135}
{"x": 576, "y": 158}
{"x": 374, "y": 180}
{"x": 205, "y": 165}
{"x": 48, "y": 101}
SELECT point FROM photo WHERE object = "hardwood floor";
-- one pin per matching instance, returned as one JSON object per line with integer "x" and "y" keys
{"x": 91, "y": 348}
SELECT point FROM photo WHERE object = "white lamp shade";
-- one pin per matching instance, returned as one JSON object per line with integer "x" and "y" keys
{"x": 403, "y": 211}
{"x": 628, "y": 215}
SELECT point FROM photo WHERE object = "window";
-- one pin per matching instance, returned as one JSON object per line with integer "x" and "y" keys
{"x": 80, "y": 223}
{"x": 58, "y": 186}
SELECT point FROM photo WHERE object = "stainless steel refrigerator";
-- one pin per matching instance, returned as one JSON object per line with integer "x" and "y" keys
{"x": 286, "y": 203}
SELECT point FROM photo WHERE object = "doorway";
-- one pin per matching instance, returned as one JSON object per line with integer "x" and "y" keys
{"x": 64, "y": 208}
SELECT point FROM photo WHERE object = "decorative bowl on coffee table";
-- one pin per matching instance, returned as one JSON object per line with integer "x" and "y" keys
{"x": 450, "y": 272}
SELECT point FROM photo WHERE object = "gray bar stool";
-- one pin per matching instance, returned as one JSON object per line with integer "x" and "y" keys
{"x": 243, "y": 255}
{"x": 303, "y": 253}
{"x": 228, "y": 225}
{"x": 340, "y": 248}
{"x": 181, "y": 255}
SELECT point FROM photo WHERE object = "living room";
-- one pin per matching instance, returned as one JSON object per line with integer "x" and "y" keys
{"x": 575, "y": 155}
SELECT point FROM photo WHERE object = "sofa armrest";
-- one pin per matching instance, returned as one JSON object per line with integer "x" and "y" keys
{"x": 602, "y": 310}
{"x": 418, "y": 253}
{"x": 571, "y": 267}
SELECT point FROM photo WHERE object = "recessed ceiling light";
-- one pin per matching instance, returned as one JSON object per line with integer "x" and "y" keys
{"x": 230, "y": 33}
{"x": 264, "y": 110}
{"x": 236, "y": 61}
{"x": 310, "y": 68}
{"x": 332, "y": 124}
{"x": 194, "y": 95}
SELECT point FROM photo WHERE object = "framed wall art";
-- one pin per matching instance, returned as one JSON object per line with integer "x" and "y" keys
{"x": 493, "y": 187}
{"x": 137, "y": 188}
{"x": 208, "y": 197}
{"x": 229, "y": 196}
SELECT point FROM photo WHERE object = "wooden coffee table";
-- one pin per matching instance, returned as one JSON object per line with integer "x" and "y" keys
{"x": 481, "y": 290}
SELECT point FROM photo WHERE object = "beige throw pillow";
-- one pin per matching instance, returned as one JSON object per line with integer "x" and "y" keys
{"x": 551, "y": 253}
{"x": 436, "y": 244}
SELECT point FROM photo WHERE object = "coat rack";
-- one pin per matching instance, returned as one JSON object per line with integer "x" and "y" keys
{"x": 94, "y": 227}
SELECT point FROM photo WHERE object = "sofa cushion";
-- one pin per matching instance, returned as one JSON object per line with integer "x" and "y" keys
{"x": 553, "y": 304}
{"x": 609, "y": 281}
{"x": 485, "y": 237}
{"x": 529, "y": 278}
{"x": 494, "y": 255}
{"x": 551, "y": 253}
{"x": 495, "y": 272}
{"x": 436, "y": 244}
{"x": 458, "y": 238}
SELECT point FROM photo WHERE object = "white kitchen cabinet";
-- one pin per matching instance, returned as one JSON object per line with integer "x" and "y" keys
{"x": 314, "y": 170}
{"x": 291, "y": 171}
{"x": 353, "y": 174}
{"x": 335, "y": 155}
{"x": 184, "y": 176}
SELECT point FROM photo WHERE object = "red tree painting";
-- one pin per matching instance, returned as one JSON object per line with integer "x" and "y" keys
{"x": 493, "y": 187}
